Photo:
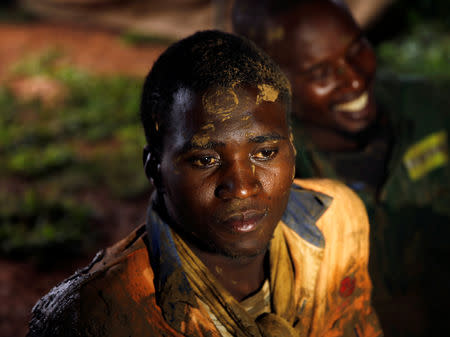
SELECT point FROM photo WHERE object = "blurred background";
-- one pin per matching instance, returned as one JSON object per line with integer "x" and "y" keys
{"x": 71, "y": 177}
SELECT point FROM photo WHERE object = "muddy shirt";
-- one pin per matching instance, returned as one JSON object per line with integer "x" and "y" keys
{"x": 138, "y": 287}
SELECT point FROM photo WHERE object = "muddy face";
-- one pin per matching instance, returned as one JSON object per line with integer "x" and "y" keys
{"x": 227, "y": 168}
{"x": 331, "y": 66}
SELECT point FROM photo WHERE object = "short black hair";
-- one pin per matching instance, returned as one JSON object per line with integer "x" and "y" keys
{"x": 199, "y": 62}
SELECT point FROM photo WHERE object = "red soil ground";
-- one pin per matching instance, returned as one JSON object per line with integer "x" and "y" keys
{"x": 23, "y": 283}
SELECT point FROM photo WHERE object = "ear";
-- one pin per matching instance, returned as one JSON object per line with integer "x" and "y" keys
{"x": 152, "y": 166}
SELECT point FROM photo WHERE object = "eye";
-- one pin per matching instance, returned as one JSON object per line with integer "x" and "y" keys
{"x": 265, "y": 154}
{"x": 358, "y": 47}
{"x": 354, "y": 49}
{"x": 319, "y": 73}
{"x": 205, "y": 161}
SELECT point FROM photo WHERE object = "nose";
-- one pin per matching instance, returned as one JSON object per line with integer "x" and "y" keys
{"x": 238, "y": 181}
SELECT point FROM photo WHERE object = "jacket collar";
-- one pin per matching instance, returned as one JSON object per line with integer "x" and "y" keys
{"x": 304, "y": 208}
{"x": 172, "y": 288}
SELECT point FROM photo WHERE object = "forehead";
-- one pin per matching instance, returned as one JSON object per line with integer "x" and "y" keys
{"x": 222, "y": 111}
{"x": 317, "y": 31}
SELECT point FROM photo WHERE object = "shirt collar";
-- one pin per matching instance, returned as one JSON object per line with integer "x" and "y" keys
{"x": 173, "y": 291}
{"x": 304, "y": 208}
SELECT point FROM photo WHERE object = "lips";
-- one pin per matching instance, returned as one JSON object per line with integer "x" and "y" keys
{"x": 243, "y": 221}
{"x": 355, "y": 108}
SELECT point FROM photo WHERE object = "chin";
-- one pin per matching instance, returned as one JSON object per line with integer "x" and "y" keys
{"x": 240, "y": 252}
{"x": 355, "y": 128}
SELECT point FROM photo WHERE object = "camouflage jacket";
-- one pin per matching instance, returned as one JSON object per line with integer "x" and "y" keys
{"x": 410, "y": 211}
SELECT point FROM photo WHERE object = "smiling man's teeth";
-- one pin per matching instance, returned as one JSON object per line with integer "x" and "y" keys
{"x": 354, "y": 106}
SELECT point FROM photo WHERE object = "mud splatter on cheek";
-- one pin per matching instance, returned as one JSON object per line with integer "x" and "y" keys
{"x": 253, "y": 169}
{"x": 218, "y": 270}
{"x": 291, "y": 141}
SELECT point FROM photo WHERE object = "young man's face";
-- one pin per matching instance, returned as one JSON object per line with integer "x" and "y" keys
{"x": 227, "y": 167}
{"x": 331, "y": 67}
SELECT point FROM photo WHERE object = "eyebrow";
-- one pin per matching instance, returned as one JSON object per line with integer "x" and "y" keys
{"x": 192, "y": 146}
{"x": 265, "y": 138}
{"x": 212, "y": 144}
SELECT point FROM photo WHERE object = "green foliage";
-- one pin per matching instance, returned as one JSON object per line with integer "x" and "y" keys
{"x": 420, "y": 11}
{"x": 32, "y": 223}
{"x": 137, "y": 38}
{"x": 124, "y": 175}
{"x": 95, "y": 133}
{"x": 35, "y": 161}
{"x": 424, "y": 52}
{"x": 91, "y": 140}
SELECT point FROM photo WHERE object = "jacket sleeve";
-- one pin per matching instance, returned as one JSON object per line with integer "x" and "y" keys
{"x": 57, "y": 313}
{"x": 344, "y": 280}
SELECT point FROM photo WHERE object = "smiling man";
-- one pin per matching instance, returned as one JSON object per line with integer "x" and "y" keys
{"x": 232, "y": 246}
{"x": 385, "y": 139}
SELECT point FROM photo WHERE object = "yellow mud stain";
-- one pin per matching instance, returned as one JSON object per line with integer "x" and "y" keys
{"x": 266, "y": 93}
{"x": 291, "y": 140}
{"x": 218, "y": 270}
{"x": 220, "y": 100}
{"x": 209, "y": 126}
{"x": 200, "y": 140}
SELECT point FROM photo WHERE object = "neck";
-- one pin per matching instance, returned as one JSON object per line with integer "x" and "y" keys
{"x": 330, "y": 140}
{"x": 239, "y": 276}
